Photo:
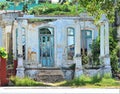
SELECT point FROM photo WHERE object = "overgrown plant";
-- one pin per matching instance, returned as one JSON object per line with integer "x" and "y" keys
{"x": 114, "y": 59}
{"x": 95, "y": 49}
{"x": 85, "y": 59}
{"x": 96, "y": 80}
{"x": 24, "y": 81}
{"x": 3, "y": 53}
{"x": 55, "y": 9}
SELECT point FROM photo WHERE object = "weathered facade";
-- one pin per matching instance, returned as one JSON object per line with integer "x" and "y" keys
{"x": 58, "y": 41}
{"x": 53, "y": 42}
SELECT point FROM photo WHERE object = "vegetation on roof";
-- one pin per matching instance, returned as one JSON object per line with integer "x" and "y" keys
{"x": 3, "y": 5}
{"x": 56, "y": 9}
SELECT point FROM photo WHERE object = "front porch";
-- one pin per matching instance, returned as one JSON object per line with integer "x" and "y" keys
{"x": 66, "y": 40}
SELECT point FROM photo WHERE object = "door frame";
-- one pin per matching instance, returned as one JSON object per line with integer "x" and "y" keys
{"x": 53, "y": 44}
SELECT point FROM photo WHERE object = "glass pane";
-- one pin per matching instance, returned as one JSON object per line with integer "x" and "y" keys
{"x": 70, "y": 40}
{"x": 23, "y": 40}
{"x": 46, "y": 31}
{"x": 70, "y": 31}
{"x": 71, "y": 43}
{"x": 51, "y": 30}
{"x": 43, "y": 39}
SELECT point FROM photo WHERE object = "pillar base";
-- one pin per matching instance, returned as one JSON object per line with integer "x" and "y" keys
{"x": 78, "y": 67}
{"x": 107, "y": 66}
{"x": 20, "y": 69}
{"x": 102, "y": 58}
{"x": 20, "y": 72}
{"x": 78, "y": 72}
{"x": 20, "y": 61}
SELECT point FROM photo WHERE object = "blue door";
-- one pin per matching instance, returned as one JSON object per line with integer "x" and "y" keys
{"x": 47, "y": 47}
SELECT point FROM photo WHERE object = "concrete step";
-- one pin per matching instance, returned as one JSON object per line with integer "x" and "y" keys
{"x": 50, "y": 75}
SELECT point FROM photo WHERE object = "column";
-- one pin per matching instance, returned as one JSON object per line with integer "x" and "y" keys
{"x": 20, "y": 68}
{"x": 102, "y": 52}
{"x": 77, "y": 58}
{"x": 107, "y": 56}
{"x": 104, "y": 45}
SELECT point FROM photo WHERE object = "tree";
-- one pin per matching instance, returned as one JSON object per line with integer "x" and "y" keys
{"x": 4, "y": 5}
{"x": 98, "y": 7}
{"x": 25, "y": 5}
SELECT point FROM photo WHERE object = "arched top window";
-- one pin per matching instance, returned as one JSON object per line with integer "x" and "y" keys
{"x": 70, "y": 42}
{"x": 70, "y": 31}
{"x": 47, "y": 30}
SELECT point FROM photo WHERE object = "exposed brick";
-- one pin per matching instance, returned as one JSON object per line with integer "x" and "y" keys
{"x": 3, "y": 72}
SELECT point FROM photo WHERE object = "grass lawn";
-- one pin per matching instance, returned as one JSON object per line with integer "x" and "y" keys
{"x": 84, "y": 81}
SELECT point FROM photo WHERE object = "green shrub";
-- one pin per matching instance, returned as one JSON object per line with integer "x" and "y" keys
{"x": 114, "y": 59}
{"x": 55, "y": 9}
{"x": 81, "y": 81}
{"x": 3, "y": 5}
{"x": 96, "y": 80}
{"x": 85, "y": 59}
{"x": 107, "y": 81}
{"x": 95, "y": 49}
{"x": 3, "y": 53}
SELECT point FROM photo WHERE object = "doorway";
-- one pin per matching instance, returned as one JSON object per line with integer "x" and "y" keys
{"x": 46, "y": 37}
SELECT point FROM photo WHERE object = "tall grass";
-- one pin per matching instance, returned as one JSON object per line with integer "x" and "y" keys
{"x": 83, "y": 80}
{"x": 25, "y": 82}
{"x": 96, "y": 80}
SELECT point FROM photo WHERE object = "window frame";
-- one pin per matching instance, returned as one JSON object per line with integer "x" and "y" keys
{"x": 69, "y": 35}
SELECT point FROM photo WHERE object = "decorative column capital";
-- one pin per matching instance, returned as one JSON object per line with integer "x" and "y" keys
{"x": 103, "y": 18}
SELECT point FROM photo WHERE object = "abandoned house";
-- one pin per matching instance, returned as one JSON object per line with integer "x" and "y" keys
{"x": 51, "y": 43}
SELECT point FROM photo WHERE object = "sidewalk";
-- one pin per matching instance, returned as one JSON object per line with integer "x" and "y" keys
{"x": 56, "y": 90}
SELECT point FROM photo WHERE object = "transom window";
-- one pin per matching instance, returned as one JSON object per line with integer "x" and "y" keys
{"x": 47, "y": 31}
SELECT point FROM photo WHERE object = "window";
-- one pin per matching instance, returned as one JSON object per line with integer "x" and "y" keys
{"x": 86, "y": 40}
{"x": 70, "y": 42}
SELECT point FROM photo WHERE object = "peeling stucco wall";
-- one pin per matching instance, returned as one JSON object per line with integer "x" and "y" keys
{"x": 60, "y": 39}
{"x": 5, "y": 27}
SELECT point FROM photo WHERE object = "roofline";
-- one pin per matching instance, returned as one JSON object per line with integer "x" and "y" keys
{"x": 55, "y": 17}
{"x": 9, "y": 11}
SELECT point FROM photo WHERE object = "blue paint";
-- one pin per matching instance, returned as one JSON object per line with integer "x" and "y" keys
{"x": 20, "y": 6}
{"x": 46, "y": 47}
